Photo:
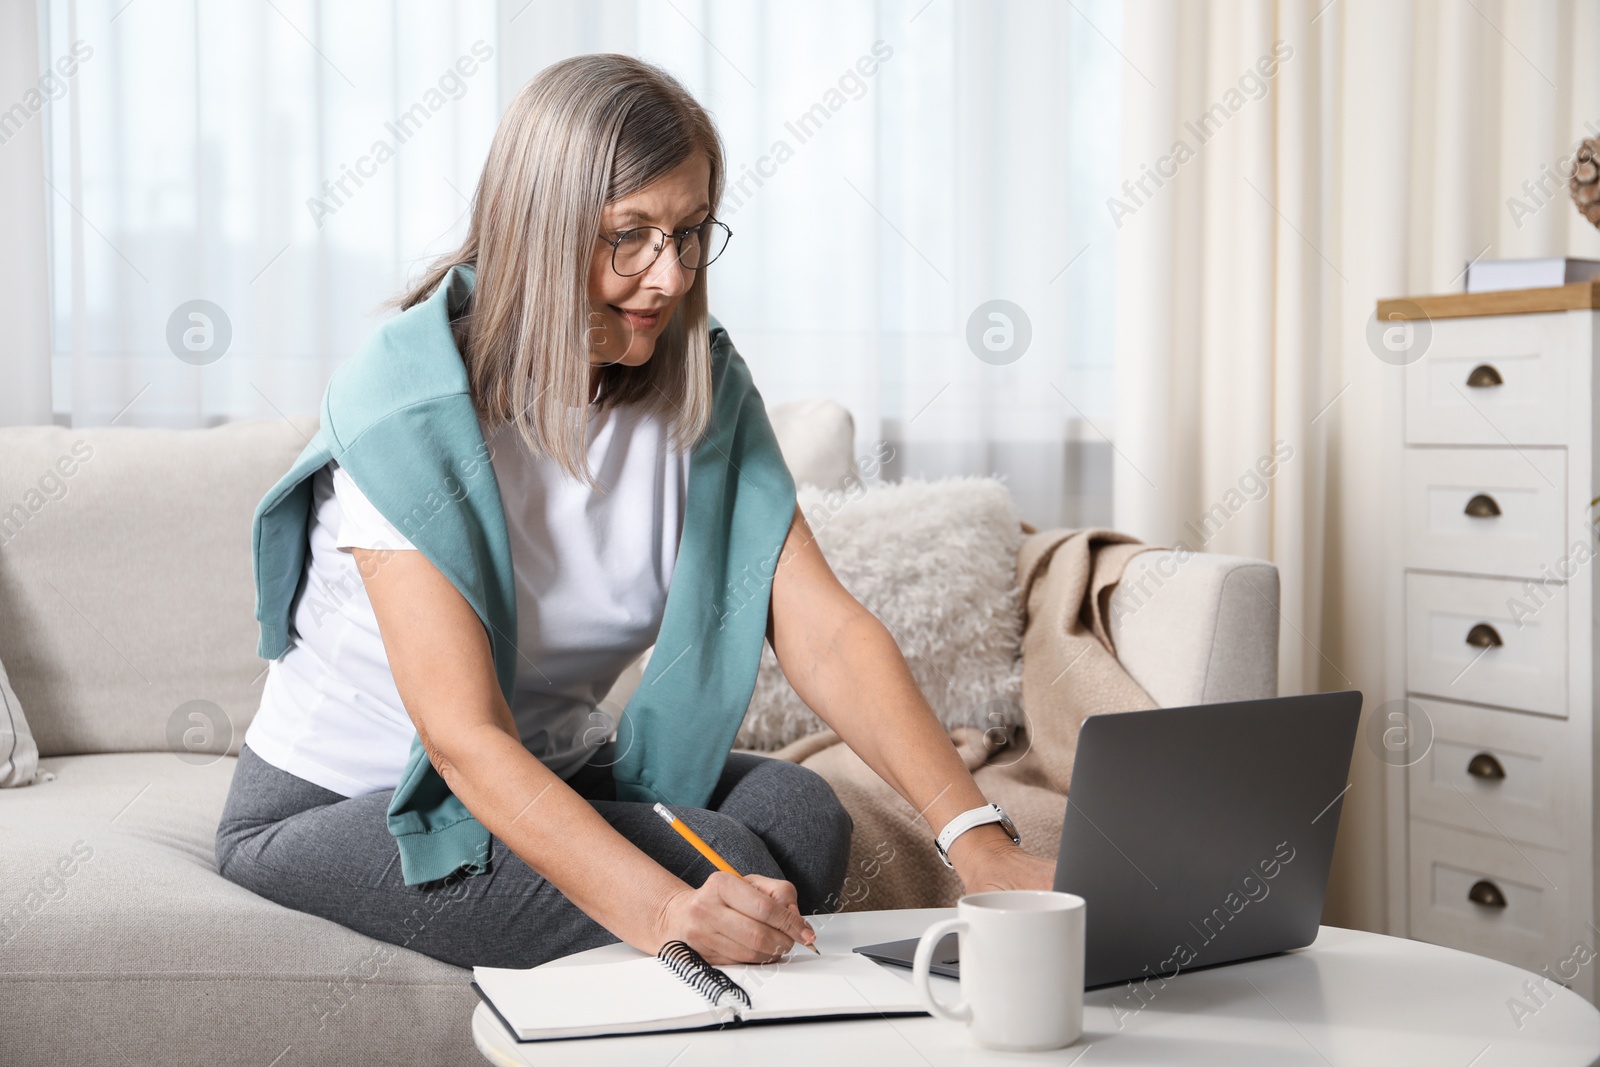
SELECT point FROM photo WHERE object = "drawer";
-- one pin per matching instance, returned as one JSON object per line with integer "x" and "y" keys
{"x": 1495, "y": 772}
{"x": 1486, "y": 510}
{"x": 1529, "y": 356}
{"x": 1527, "y": 930}
{"x": 1527, "y": 669}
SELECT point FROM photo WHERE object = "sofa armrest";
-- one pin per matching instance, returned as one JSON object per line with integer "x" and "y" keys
{"x": 1199, "y": 630}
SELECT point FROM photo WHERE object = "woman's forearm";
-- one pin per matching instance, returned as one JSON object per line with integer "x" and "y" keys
{"x": 439, "y": 654}
{"x": 860, "y": 685}
{"x": 559, "y": 834}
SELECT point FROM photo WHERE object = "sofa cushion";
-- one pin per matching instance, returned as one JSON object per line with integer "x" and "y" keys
{"x": 817, "y": 438}
{"x": 115, "y": 930}
{"x": 936, "y": 563}
{"x": 127, "y": 605}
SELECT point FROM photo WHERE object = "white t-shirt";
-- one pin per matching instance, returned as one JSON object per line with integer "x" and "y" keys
{"x": 592, "y": 572}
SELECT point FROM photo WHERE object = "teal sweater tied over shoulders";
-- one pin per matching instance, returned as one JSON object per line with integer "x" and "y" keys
{"x": 399, "y": 417}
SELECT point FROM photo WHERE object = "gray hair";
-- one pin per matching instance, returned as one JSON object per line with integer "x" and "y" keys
{"x": 580, "y": 134}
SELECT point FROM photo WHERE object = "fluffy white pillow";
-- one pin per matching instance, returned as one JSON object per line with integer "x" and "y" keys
{"x": 19, "y": 756}
{"x": 936, "y": 563}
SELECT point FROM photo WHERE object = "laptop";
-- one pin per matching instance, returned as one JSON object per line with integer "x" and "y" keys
{"x": 1196, "y": 836}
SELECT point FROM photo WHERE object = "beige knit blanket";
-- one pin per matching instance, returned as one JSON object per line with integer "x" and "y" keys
{"x": 1069, "y": 672}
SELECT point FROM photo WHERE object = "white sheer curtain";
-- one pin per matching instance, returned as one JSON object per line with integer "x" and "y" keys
{"x": 288, "y": 162}
{"x": 1390, "y": 149}
{"x": 964, "y": 168}
{"x": 904, "y": 164}
{"x": 24, "y": 277}
{"x": 983, "y": 158}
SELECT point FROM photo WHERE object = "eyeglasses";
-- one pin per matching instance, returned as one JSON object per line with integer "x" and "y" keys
{"x": 635, "y": 251}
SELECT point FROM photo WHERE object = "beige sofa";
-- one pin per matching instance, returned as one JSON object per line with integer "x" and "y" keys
{"x": 126, "y": 624}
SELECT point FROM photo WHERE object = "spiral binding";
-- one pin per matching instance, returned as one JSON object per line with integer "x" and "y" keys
{"x": 705, "y": 979}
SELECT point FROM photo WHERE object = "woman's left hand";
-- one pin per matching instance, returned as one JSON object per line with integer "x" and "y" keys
{"x": 1006, "y": 867}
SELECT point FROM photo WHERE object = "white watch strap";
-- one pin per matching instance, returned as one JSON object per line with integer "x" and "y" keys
{"x": 962, "y": 823}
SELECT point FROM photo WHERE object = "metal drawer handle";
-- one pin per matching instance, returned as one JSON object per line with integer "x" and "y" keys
{"x": 1485, "y": 766}
{"x": 1486, "y": 894}
{"x": 1483, "y": 376}
{"x": 1482, "y": 506}
{"x": 1484, "y": 636}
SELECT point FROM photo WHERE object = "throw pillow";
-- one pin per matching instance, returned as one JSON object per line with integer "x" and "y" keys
{"x": 936, "y": 563}
{"x": 817, "y": 438}
{"x": 19, "y": 756}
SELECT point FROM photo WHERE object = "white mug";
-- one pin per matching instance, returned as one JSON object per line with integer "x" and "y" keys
{"x": 1021, "y": 968}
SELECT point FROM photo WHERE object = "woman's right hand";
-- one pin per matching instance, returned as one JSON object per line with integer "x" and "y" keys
{"x": 736, "y": 920}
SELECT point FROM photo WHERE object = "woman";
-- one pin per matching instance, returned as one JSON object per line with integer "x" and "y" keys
{"x": 551, "y": 459}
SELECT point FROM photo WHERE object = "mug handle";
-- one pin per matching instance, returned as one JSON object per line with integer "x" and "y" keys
{"x": 960, "y": 1011}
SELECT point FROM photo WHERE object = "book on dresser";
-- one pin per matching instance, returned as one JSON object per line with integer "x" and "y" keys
{"x": 678, "y": 990}
{"x": 1498, "y": 275}
{"x": 1490, "y": 612}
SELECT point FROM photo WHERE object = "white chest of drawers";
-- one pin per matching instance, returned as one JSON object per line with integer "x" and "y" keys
{"x": 1489, "y": 731}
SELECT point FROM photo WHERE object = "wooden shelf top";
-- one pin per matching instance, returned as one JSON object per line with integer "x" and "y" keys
{"x": 1582, "y": 296}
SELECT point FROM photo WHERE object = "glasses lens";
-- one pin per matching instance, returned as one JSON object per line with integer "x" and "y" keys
{"x": 704, "y": 245}
{"x": 636, "y": 250}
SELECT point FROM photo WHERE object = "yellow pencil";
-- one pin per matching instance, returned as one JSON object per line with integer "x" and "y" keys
{"x": 706, "y": 850}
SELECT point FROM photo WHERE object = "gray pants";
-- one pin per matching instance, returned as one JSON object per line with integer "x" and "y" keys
{"x": 313, "y": 850}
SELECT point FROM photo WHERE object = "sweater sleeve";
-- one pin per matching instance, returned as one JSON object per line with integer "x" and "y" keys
{"x": 361, "y": 525}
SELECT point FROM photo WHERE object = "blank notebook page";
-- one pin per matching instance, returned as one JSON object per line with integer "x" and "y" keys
{"x": 636, "y": 996}
{"x": 620, "y": 997}
{"x": 841, "y": 983}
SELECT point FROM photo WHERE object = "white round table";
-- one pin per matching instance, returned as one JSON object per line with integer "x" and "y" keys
{"x": 1351, "y": 998}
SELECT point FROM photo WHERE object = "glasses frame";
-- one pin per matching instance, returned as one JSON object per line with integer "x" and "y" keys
{"x": 677, "y": 238}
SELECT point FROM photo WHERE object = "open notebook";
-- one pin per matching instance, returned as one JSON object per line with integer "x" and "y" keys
{"x": 679, "y": 990}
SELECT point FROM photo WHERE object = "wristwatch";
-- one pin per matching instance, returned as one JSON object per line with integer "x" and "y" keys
{"x": 967, "y": 820}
